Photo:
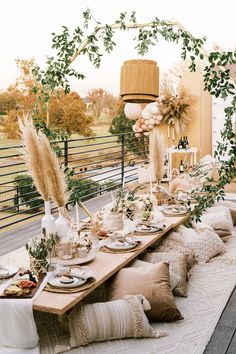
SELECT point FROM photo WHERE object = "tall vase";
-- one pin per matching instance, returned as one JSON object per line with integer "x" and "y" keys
{"x": 62, "y": 224}
{"x": 48, "y": 220}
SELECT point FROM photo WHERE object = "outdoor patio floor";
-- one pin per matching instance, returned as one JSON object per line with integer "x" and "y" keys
{"x": 223, "y": 340}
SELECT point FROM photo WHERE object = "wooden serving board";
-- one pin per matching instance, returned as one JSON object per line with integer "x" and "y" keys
{"x": 26, "y": 296}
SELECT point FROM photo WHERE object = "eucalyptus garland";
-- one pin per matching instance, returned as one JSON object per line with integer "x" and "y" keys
{"x": 93, "y": 38}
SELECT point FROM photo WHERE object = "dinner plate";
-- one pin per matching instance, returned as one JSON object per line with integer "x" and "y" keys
{"x": 174, "y": 211}
{"x": 150, "y": 229}
{"x": 125, "y": 246}
{"x": 55, "y": 281}
{"x": 74, "y": 261}
{"x": 9, "y": 272}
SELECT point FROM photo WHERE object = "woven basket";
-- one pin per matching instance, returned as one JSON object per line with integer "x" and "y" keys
{"x": 139, "y": 81}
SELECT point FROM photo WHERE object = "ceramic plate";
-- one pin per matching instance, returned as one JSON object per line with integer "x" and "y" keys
{"x": 174, "y": 211}
{"x": 8, "y": 272}
{"x": 148, "y": 229}
{"x": 125, "y": 246}
{"x": 74, "y": 261}
{"x": 55, "y": 281}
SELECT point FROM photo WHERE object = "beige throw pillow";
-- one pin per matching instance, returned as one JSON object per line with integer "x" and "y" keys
{"x": 154, "y": 283}
{"x": 174, "y": 279}
{"x": 124, "y": 318}
{"x": 207, "y": 245}
{"x": 177, "y": 265}
{"x": 173, "y": 246}
{"x": 218, "y": 220}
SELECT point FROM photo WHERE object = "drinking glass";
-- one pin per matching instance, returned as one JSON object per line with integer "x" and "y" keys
{"x": 65, "y": 251}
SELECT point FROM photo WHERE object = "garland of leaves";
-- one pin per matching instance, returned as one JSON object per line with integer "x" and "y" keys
{"x": 217, "y": 78}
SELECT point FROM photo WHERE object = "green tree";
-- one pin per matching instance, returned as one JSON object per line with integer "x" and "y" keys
{"x": 120, "y": 124}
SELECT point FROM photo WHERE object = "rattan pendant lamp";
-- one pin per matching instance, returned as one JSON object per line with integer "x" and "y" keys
{"x": 139, "y": 81}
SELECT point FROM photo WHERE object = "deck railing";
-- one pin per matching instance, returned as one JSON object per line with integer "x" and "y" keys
{"x": 100, "y": 163}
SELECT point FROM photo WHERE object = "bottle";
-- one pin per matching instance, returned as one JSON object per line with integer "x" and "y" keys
{"x": 181, "y": 167}
{"x": 180, "y": 144}
{"x": 184, "y": 143}
{"x": 187, "y": 144}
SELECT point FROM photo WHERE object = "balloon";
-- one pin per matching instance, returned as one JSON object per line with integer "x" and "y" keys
{"x": 146, "y": 114}
{"x": 133, "y": 110}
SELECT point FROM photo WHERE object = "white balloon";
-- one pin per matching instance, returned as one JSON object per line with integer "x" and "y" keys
{"x": 133, "y": 110}
{"x": 159, "y": 118}
{"x": 154, "y": 108}
{"x": 146, "y": 114}
{"x": 144, "y": 126}
{"x": 146, "y": 121}
{"x": 150, "y": 127}
{"x": 148, "y": 107}
{"x": 135, "y": 128}
{"x": 151, "y": 121}
{"x": 138, "y": 135}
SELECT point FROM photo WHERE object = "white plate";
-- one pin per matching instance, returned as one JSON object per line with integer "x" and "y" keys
{"x": 74, "y": 261}
{"x": 126, "y": 246}
{"x": 175, "y": 211}
{"x": 55, "y": 281}
{"x": 152, "y": 229}
{"x": 10, "y": 272}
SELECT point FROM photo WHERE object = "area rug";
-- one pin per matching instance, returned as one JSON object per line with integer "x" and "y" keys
{"x": 209, "y": 289}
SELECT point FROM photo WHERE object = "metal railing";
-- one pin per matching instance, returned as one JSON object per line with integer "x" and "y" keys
{"x": 100, "y": 164}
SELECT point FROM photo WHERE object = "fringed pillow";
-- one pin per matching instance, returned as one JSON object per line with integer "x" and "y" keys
{"x": 177, "y": 266}
{"x": 174, "y": 278}
{"x": 206, "y": 246}
{"x": 124, "y": 318}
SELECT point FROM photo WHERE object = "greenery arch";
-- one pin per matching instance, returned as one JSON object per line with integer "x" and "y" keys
{"x": 217, "y": 79}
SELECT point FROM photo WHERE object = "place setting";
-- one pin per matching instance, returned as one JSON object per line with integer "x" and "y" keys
{"x": 66, "y": 279}
{"x": 175, "y": 210}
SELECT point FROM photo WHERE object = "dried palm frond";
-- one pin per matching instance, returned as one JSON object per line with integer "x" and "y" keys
{"x": 55, "y": 175}
{"x": 157, "y": 153}
{"x": 32, "y": 156}
{"x": 177, "y": 110}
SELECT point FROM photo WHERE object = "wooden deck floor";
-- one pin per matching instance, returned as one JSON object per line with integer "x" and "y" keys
{"x": 223, "y": 339}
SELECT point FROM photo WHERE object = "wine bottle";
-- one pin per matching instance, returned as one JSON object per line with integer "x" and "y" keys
{"x": 180, "y": 144}
{"x": 181, "y": 167}
{"x": 187, "y": 144}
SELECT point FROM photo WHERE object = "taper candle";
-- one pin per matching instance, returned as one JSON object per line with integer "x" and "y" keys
{"x": 77, "y": 214}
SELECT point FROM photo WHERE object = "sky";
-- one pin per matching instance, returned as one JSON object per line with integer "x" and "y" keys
{"x": 26, "y": 27}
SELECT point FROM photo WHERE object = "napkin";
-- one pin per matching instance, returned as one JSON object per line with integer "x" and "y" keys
{"x": 18, "y": 332}
{"x": 81, "y": 272}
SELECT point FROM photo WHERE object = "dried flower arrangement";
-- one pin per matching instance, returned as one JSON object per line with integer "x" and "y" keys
{"x": 33, "y": 157}
{"x": 177, "y": 110}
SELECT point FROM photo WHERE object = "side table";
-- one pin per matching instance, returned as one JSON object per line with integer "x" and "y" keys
{"x": 170, "y": 151}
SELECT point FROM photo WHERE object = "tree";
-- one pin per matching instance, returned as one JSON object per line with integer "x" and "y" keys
{"x": 68, "y": 112}
{"x": 100, "y": 100}
{"x": 7, "y": 102}
{"x": 120, "y": 124}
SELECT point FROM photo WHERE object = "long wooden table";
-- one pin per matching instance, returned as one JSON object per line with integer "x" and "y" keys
{"x": 104, "y": 266}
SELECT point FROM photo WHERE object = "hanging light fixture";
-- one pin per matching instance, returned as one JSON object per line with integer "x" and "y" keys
{"x": 139, "y": 81}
